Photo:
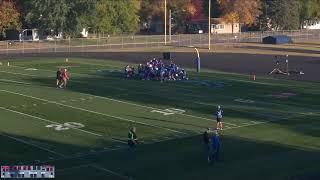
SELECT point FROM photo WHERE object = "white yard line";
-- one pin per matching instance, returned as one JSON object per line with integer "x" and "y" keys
{"x": 46, "y": 120}
{"x": 8, "y": 80}
{"x": 153, "y": 142}
{"x": 143, "y": 106}
{"x": 34, "y": 145}
{"x": 93, "y": 112}
{"x": 73, "y": 167}
{"x": 19, "y": 73}
{"x": 109, "y": 171}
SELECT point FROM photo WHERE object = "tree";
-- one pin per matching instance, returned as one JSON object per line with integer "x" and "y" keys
{"x": 153, "y": 10}
{"x": 117, "y": 16}
{"x": 60, "y": 15}
{"x": 242, "y": 11}
{"x": 309, "y": 10}
{"x": 182, "y": 11}
{"x": 285, "y": 14}
{"x": 215, "y": 8}
{"x": 9, "y": 16}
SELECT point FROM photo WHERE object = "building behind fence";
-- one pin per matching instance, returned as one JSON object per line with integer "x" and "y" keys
{"x": 147, "y": 41}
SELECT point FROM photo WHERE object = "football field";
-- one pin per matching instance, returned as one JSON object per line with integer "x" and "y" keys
{"x": 271, "y": 126}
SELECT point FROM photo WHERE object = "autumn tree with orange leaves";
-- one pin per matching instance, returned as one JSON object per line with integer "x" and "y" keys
{"x": 240, "y": 11}
{"x": 9, "y": 16}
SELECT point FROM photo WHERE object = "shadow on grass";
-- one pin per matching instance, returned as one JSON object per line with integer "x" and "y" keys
{"x": 182, "y": 158}
{"x": 240, "y": 158}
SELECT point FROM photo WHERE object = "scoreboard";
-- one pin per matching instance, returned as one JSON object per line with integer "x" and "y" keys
{"x": 43, "y": 171}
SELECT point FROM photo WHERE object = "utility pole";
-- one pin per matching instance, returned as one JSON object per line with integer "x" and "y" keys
{"x": 209, "y": 45}
{"x": 165, "y": 22}
{"x": 170, "y": 25}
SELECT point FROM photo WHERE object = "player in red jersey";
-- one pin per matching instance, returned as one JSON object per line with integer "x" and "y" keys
{"x": 65, "y": 78}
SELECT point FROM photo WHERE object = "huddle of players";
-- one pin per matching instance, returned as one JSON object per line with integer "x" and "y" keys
{"x": 62, "y": 78}
{"x": 155, "y": 69}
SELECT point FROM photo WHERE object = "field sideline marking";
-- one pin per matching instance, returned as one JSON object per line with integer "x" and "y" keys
{"x": 94, "y": 112}
{"x": 34, "y": 145}
{"x": 46, "y": 120}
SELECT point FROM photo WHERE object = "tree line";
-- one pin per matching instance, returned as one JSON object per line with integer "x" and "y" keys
{"x": 130, "y": 16}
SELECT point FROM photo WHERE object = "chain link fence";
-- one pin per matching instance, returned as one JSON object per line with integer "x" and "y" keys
{"x": 147, "y": 41}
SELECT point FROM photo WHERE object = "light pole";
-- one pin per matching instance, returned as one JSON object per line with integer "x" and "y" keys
{"x": 170, "y": 25}
{"x": 165, "y": 22}
{"x": 209, "y": 19}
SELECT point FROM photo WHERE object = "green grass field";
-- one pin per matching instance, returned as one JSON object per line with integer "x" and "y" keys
{"x": 267, "y": 135}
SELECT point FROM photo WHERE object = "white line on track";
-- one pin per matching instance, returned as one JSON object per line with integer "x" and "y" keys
{"x": 93, "y": 112}
{"x": 31, "y": 144}
{"x": 46, "y": 120}
{"x": 109, "y": 171}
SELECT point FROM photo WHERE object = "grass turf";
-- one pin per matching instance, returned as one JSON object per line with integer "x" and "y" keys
{"x": 269, "y": 137}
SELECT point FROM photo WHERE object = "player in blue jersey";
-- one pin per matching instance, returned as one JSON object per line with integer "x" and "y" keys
{"x": 215, "y": 146}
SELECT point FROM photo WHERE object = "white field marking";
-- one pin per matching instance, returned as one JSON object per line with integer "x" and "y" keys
{"x": 31, "y": 69}
{"x": 18, "y": 73}
{"x": 134, "y": 103}
{"x": 34, "y": 145}
{"x": 129, "y": 103}
{"x": 244, "y": 100}
{"x": 73, "y": 167}
{"x": 244, "y": 123}
{"x": 81, "y": 155}
{"x": 45, "y": 70}
{"x": 7, "y": 80}
{"x": 152, "y": 142}
{"x": 109, "y": 171}
{"x": 148, "y": 107}
{"x": 93, "y": 112}
{"x": 65, "y": 126}
{"x": 251, "y": 112}
{"x": 46, "y": 120}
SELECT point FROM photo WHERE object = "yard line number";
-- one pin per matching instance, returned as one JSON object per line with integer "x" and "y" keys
{"x": 169, "y": 111}
{"x": 65, "y": 126}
